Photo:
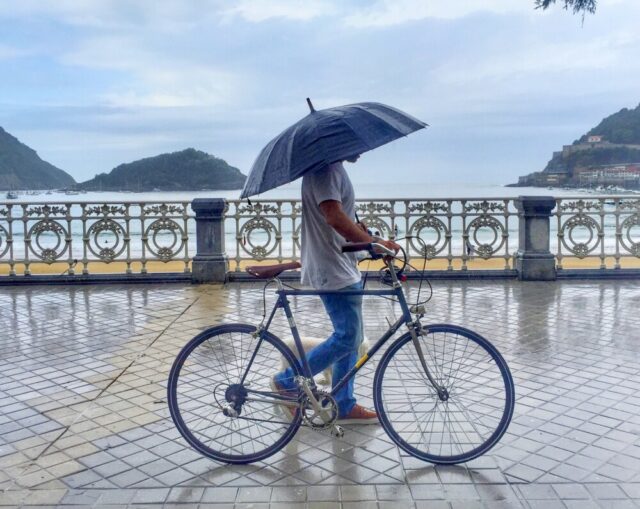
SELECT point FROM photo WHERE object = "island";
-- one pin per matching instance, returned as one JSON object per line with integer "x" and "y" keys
{"x": 186, "y": 170}
{"x": 21, "y": 168}
{"x": 606, "y": 156}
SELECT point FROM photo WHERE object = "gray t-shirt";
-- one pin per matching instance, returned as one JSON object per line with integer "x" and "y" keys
{"x": 324, "y": 266}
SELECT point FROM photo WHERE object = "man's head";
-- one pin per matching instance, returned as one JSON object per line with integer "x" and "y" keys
{"x": 353, "y": 159}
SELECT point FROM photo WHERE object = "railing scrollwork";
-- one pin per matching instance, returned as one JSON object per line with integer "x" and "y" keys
{"x": 80, "y": 234}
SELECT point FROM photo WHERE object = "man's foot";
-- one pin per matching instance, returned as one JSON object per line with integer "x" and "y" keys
{"x": 359, "y": 415}
{"x": 289, "y": 412}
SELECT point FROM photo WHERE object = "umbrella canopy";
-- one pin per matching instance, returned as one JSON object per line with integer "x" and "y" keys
{"x": 324, "y": 137}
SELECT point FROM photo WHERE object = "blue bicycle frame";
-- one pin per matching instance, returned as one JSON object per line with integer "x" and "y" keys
{"x": 406, "y": 319}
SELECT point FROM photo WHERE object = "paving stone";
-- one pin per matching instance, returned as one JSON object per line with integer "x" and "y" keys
{"x": 102, "y": 380}
{"x": 357, "y": 493}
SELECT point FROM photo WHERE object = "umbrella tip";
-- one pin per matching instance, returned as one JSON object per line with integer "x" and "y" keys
{"x": 310, "y": 105}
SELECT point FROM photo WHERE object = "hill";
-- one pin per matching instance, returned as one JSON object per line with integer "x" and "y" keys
{"x": 187, "y": 170}
{"x": 622, "y": 127}
{"x": 21, "y": 167}
{"x": 607, "y": 154}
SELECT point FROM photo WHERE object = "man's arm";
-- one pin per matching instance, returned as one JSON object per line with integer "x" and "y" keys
{"x": 345, "y": 226}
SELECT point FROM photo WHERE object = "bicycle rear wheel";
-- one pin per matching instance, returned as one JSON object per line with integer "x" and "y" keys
{"x": 227, "y": 366}
{"x": 476, "y": 410}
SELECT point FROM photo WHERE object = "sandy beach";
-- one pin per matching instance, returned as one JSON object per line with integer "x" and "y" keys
{"x": 498, "y": 264}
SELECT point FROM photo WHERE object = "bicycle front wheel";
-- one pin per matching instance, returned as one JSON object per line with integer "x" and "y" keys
{"x": 220, "y": 396}
{"x": 459, "y": 425}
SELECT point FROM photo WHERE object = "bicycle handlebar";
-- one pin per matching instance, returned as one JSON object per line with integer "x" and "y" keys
{"x": 373, "y": 247}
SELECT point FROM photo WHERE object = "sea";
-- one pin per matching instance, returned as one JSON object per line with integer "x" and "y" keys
{"x": 364, "y": 190}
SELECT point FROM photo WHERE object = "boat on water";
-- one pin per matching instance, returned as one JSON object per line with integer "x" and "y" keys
{"x": 70, "y": 192}
{"x": 11, "y": 195}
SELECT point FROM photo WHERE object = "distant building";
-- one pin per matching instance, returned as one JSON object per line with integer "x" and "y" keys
{"x": 625, "y": 175}
{"x": 594, "y": 139}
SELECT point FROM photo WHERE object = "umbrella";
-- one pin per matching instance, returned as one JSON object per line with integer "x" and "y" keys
{"x": 324, "y": 137}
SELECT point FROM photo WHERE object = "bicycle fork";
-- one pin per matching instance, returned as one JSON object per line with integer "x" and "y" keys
{"x": 443, "y": 393}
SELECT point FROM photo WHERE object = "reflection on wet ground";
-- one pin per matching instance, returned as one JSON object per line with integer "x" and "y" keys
{"x": 84, "y": 418}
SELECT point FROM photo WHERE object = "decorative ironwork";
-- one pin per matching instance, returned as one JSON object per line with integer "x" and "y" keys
{"x": 36, "y": 240}
{"x": 582, "y": 205}
{"x": 433, "y": 224}
{"x": 428, "y": 207}
{"x": 4, "y": 241}
{"x": 163, "y": 209}
{"x": 164, "y": 227}
{"x": 259, "y": 237}
{"x": 629, "y": 205}
{"x": 106, "y": 239}
{"x": 626, "y": 240}
{"x": 485, "y": 249}
{"x": 485, "y": 207}
{"x": 370, "y": 213}
{"x": 578, "y": 247}
{"x": 296, "y": 236}
{"x": 271, "y": 229}
{"x": 105, "y": 210}
{"x": 45, "y": 210}
{"x": 80, "y": 234}
{"x": 258, "y": 208}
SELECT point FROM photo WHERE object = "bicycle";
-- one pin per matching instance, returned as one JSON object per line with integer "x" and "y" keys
{"x": 443, "y": 393}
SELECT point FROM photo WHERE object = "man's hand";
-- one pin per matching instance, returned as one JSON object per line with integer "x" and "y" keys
{"x": 389, "y": 244}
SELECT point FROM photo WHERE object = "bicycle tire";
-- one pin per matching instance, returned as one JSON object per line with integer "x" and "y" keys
{"x": 393, "y": 395}
{"x": 192, "y": 394}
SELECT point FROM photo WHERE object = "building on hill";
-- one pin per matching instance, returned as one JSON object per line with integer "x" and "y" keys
{"x": 625, "y": 175}
{"x": 556, "y": 177}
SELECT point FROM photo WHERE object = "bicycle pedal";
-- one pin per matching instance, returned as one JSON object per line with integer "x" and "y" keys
{"x": 337, "y": 431}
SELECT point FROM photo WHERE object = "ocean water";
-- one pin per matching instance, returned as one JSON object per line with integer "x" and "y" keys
{"x": 364, "y": 190}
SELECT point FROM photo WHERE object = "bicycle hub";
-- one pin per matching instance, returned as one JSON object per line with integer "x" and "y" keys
{"x": 235, "y": 395}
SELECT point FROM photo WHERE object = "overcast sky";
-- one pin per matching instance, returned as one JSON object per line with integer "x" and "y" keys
{"x": 92, "y": 84}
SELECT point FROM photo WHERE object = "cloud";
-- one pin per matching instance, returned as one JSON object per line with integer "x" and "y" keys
{"x": 257, "y": 11}
{"x": 154, "y": 78}
{"x": 386, "y": 13}
{"x": 542, "y": 59}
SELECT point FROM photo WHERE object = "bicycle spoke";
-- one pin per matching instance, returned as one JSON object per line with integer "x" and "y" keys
{"x": 461, "y": 423}
{"x": 214, "y": 367}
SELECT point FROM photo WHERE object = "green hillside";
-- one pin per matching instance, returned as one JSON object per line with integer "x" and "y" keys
{"x": 621, "y": 127}
{"x": 188, "y": 169}
{"x": 21, "y": 167}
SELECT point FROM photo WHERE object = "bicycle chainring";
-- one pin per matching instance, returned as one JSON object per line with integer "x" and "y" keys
{"x": 329, "y": 412}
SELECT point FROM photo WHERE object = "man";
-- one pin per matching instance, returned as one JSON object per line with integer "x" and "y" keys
{"x": 328, "y": 212}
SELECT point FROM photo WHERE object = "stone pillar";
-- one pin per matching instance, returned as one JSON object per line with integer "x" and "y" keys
{"x": 534, "y": 261}
{"x": 210, "y": 264}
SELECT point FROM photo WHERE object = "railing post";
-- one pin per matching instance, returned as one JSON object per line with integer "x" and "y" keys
{"x": 210, "y": 264}
{"x": 534, "y": 261}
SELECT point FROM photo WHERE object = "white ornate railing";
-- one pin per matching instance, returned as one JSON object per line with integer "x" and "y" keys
{"x": 606, "y": 228}
{"x": 455, "y": 231}
{"x": 78, "y": 234}
{"x": 451, "y": 234}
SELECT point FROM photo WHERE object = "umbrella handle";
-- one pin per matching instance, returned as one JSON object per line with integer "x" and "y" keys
{"x": 360, "y": 222}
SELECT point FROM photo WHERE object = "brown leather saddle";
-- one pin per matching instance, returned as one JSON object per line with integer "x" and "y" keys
{"x": 271, "y": 271}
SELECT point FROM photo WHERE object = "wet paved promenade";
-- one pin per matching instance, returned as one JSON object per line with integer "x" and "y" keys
{"x": 84, "y": 421}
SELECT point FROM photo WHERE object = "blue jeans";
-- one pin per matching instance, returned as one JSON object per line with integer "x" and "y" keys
{"x": 340, "y": 349}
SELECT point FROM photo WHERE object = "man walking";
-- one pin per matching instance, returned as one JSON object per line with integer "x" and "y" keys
{"x": 328, "y": 212}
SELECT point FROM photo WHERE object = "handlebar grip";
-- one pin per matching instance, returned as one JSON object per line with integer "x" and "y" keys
{"x": 356, "y": 246}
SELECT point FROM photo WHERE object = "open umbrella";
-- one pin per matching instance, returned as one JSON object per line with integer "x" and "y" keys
{"x": 324, "y": 137}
